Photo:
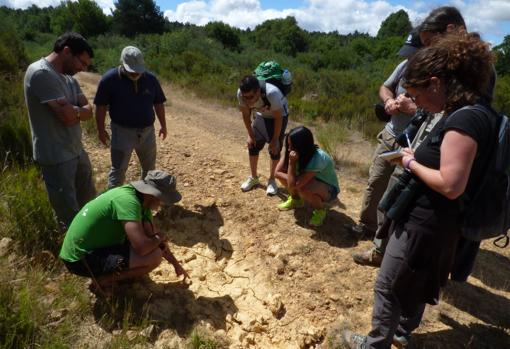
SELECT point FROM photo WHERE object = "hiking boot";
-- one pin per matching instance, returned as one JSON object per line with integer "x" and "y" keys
{"x": 318, "y": 217}
{"x": 272, "y": 187}
{"x": 354, "y": 340}
{"x": 370, "y": 257}
{"x": 361, "y": 230}
{"x": 402, "y": 342}
{"x": 250, "y": 183}
{"x": 291, "y": 204}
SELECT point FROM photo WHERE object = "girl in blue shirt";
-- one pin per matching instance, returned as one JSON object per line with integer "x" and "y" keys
{"x": 308, "y": 173}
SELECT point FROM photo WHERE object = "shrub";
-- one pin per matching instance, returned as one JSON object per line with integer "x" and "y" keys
{"x": 26, "y": 213}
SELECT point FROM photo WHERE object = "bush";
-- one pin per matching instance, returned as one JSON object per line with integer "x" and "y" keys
{"x": 26, "y": 213}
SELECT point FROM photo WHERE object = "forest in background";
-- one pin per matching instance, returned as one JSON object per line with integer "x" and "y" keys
{"x": 336, "y": 77}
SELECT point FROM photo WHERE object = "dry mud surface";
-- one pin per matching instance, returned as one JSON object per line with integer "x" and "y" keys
{"x": 262, "y": 278}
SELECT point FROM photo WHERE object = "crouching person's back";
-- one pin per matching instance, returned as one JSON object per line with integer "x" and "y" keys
{"x": 113, "y": 237}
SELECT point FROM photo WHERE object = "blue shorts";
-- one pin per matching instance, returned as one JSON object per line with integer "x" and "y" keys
{"x": 332, "y": 190}
{"x": 101, "y": 261}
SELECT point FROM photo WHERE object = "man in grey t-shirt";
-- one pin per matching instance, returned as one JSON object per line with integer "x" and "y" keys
{"x": 401, "y": 109}
{"x": 56, "y": 106}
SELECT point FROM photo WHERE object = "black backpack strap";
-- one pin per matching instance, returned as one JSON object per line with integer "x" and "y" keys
{"x": 263, "y": 95}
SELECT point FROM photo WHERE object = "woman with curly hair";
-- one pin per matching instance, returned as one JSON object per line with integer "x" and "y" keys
{"x": 451, "y": 75}
{"x": 308, "y": 173}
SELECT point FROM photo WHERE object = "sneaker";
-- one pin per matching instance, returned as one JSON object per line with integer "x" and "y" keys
{"x": 371, "y": 257}
{"x": 402, "y": 342}
{"x": 249, "y": 183}
{"x": 361, "y": 230}
{"x": 354, "y": 340}
{"x": 272, "y": 187}
{"x": 291, "y": 204}
{"x": 318, "y": 217}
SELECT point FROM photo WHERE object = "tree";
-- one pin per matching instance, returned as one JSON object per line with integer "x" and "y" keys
{"x": 396, "y": 24}
{"x": 132, "y": 17}
{"x": 281, "y": 35}
{"x": 503, "y": 56}
{"x": 224, "y": 34}
{"x": 82, "y": 16}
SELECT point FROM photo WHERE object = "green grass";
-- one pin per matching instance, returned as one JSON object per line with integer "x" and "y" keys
{"x": 38, "y": 308}
{"x": 25, "y": 211}
{"x": 331, "y": 135}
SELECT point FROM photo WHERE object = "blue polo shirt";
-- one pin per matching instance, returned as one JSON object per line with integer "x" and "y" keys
{"x": 131, "y": 103}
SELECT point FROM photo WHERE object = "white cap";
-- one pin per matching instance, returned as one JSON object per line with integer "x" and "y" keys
{"x": 132, "y": 60}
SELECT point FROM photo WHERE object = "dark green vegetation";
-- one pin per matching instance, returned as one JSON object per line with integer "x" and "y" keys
{"x": 336, "y": 77}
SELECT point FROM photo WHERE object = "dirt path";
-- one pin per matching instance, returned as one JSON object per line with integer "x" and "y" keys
{"x": 263, "y": 278}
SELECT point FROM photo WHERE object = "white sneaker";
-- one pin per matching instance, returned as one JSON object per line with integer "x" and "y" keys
{"x": 249, "y": 183}
{"x": 272, "y": 187}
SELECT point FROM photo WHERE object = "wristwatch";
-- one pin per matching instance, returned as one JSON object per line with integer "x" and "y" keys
{"x": 77, "y": 109}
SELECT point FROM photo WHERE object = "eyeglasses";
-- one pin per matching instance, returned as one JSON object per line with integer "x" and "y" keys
{"x": 249, "y": 97}
{"x": 413, "y": 98}
{"x": 84, "y": 64}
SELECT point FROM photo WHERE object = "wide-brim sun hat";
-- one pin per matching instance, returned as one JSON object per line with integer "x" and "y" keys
{"x": 160, "y": 185}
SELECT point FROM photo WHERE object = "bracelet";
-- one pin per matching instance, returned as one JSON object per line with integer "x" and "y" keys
{"x": 408, "y": 164}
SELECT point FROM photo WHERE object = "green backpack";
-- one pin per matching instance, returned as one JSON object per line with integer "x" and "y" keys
{"x": 271, "y": 72}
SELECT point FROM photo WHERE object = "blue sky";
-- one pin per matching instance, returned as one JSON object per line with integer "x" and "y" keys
{"x": 489, "y": 17}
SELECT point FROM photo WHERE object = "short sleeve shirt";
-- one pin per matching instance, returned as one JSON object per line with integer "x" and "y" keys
{"x": 476, "y": 125}
{"x": 322, "y": 164}
{"x": 275, "y": 97}
{"x": 99, "y": 222}
{"x": 131, "y": 103}
{"x": 399, "y": 121}
{"x": 52, "y": 142}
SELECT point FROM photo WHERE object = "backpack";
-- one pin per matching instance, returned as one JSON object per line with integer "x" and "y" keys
{"x": 272, "y": 72}
{"x": 487, "y": 213}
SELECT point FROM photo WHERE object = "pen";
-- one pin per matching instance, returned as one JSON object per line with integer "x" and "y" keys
{"x": 408, "y": 141}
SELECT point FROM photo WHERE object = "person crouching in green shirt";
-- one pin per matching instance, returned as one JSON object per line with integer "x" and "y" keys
{"x": 308, "y": 173}
{"x": 113, "y": 237}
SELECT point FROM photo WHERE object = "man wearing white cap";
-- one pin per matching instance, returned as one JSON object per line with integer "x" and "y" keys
{"x": 113, "y": 237}
{"x": 132, "y": 95}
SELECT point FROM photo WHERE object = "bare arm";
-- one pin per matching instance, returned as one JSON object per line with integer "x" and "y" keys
{"x": 160, "y": 113}
{"x": 281, "y": 170}
{"x": 388, "y": 98}
{"x": 64, "y": 112}
{"x": 140, "y": 241}
{"x": 458, "y": 152}
{"x": 100, "y": 118}
{"x": 85, "y": 108}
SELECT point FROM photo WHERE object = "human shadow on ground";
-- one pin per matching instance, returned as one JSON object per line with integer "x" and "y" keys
{"x": 479, "y": 302}
{"x": 188, "y": 227}
{"x": 493, "y": 270}
{"x": 166, "y": 305}
{"x": 473, "y": 336}
{"x": 335, "y": 230}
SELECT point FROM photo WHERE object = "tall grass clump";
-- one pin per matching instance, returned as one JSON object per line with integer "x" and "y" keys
{"x": 37, "y": 308}
{"x": 331, "y": 135}
{"x": 26, "y": 213}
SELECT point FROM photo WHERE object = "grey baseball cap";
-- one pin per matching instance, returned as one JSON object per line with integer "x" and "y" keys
{"x": 159, "y": 184}
{"x": 132, "y": 59}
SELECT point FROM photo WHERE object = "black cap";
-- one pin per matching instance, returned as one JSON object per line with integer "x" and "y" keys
{"x": 412, "y": 44}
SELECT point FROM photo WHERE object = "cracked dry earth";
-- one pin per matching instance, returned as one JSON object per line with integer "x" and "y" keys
{"x": 262, "y": 278}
